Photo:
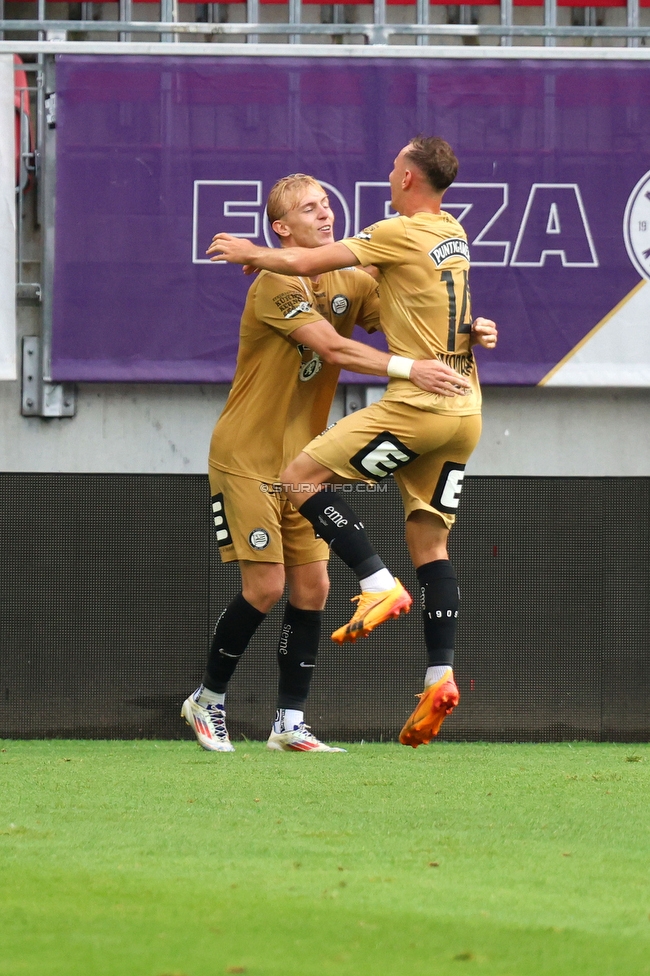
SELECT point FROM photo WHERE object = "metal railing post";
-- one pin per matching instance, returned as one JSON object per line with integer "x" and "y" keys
{"x": 40, "y": 13}
{"x": 422, "y": 17}
{"x": 46, "y": 146}
{"x": 253, "y": 17}
{"x": 20, "y": 189}
{"x": 506, "y": 21}
{"x": 633, "y": 20}
{"x": 168, "y": 15}
{"x": 88, "y": 10}
{"x": 550, "y": 20}
{"x": 295, "y": 14}
{"x": 379, "y": 21}
{"x": 126, "y": 15}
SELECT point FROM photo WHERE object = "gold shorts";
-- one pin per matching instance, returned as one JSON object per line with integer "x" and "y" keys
{"x": 425, "y": 452}
{"x": 260, "y": 525}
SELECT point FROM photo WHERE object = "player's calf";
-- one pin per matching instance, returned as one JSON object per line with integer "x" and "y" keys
{"x": 439, "y": 601}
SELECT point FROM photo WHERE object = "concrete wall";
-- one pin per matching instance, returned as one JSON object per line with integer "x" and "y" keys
{"x": 165, "y": 429}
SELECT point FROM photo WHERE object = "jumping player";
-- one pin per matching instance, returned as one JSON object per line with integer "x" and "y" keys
{"x": 294, "y": 338}
{"x": 423, "y": 439}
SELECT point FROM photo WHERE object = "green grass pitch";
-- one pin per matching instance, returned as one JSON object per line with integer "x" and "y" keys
{"x": 157, "y": 859}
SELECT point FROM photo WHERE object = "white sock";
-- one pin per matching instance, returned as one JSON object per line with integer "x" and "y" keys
{"x": 436, "y": 673}
{"x": 203, "y": 696}
{"x": 287, "y": 719}
{"x": 378, "y": 582}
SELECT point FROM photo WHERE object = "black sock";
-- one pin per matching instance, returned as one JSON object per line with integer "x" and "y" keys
{"x": 297, "y": 650}
{"x": 336, "y": 523}
{"x": 439, "y": 592}
{"x": 234, "y": 629}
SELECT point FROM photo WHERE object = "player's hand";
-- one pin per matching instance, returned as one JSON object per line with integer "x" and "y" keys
{"x": 250, "y": 269}
{"x": 234, "y": 250}
{"x": 484, "y": 333}
{"x": 432, "y": 376}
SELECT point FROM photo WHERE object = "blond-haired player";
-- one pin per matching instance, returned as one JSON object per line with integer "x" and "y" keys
{"x": 423, "y": 439}
{"x": 294, "y": 338}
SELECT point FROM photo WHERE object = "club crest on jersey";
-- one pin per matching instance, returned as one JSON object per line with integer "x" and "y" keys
{"x": 310, "y": 367}
{"x": 455, "y": 247}
{"x": 259, "y": 539}
{"x": 291, "y": 303}
{"x": 340, "y": 304}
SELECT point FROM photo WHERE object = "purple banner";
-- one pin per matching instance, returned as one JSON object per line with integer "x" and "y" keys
{"x": 156, "y": 154}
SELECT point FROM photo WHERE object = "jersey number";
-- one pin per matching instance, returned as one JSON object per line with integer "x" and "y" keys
{"x": 458, "y": 324}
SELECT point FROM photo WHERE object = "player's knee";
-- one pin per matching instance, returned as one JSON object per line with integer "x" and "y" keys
{"x": 264, "y": 596}
{"x": 309, "y": 594}
{"x": 321, "y": 593}
{"x": 273, "y": 595}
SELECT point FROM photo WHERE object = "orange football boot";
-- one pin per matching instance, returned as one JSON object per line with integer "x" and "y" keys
{"x": 373, "y": 609}
{"x": 435, "y": 703}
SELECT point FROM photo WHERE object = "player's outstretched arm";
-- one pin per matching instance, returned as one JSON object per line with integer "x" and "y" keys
{"x": 484, "y": 333}
{"x": 429, "y": 375}
{"x": 282, "y": 260}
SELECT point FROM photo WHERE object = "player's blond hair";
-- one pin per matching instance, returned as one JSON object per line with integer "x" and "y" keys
{"x": 286, "y": 192}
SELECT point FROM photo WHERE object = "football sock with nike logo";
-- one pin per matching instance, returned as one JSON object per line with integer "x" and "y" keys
{"x": 335, "y": 522}
{"x": 204, "y": 697}
{"x": 232, "y": 635}
{"x": 297, "y": 650}
{"x": 287, "y": 719}
{"x": 440, "y": 601}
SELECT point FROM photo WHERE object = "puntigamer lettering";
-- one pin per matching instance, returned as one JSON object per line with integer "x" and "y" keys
{"x": 449, "y": 249}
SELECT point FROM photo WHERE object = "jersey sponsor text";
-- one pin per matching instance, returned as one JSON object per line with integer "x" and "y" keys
{"x": 452, "y": 248}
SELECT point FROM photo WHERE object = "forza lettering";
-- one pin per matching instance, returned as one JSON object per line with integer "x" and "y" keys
{"x": 553, "y": 224}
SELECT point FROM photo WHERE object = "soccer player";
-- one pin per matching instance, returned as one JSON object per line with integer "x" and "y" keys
{"x": 294, "y": 338}
{"x": 423, "y": 439}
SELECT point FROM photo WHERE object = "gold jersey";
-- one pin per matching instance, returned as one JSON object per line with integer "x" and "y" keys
{"x": 424, "y": 299}
{"x": 282, "y": 392}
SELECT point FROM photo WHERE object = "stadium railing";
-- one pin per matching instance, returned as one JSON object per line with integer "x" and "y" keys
{"x": 583, "y": 21}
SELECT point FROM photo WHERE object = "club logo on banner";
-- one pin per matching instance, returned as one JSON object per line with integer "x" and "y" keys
{"x": 636, "y": 226}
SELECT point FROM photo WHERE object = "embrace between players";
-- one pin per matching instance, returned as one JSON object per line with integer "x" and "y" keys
{"x": 270, "y": 465}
